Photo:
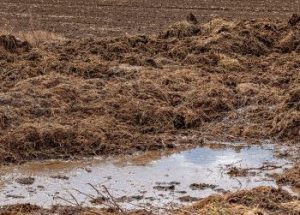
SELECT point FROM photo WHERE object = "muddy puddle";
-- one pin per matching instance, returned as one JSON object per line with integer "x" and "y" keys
{"x": 155, "y": 179}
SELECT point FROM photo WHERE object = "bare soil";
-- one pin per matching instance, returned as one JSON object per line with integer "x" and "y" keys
{"x": 81, "y": 18}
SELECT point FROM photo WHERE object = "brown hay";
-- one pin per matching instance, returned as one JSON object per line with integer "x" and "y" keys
{"x": 181, "y": 30}
{"x": 83, "y": 97}
{"x": 290, "y": 177}
{"x": 261, "y": 200}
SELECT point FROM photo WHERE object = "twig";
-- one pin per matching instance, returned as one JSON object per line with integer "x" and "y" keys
{"x": 113, "y": 200}
{"x": 85, "y": 194}
{"x": 98, "y": 192}
{"x": 73, "y": 197}
{"x": 68, "y": 201}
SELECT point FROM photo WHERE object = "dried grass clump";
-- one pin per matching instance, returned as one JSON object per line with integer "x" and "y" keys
{"x": 286, "y": 123}
{"x": 261, "y": 200}
{"x": 228, "y": 64}
{"x": 292, "y": 100}
{"x": 217, "y": 26}
{"x": 290, "y": 177}
{"x": 290, "y": 42}
{"x": 37, "y": 37}
{"x": 119, "y": 95}
{"x": 33, "y": 37}
{"x": 236, "y": 40}
{"x": 7, "y": 118}
{"x": 181, "y": 30}
{"x": 287, "y": 126}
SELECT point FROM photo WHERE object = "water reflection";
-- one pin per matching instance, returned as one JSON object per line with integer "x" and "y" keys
{"x": 201, "y": 165}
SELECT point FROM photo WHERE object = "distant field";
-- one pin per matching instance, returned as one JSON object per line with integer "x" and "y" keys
{"x": 79, "y": 18}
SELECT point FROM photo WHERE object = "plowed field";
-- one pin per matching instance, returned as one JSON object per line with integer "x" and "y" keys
{"x": 114, "y": 18}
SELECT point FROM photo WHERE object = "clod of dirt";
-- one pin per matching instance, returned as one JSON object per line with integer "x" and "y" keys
{"x": 164, "y": 188}
{"x": 12, "y": 44}
{"x": 188, "y": 199}
{"x": 129, "y": 198}
{"x": 62, "y": 177}
{"x": 191, "y": 18}
{"x": 295, "y": 19}
{"x": 174, "y": 183}
{"x": 15, "y": 196}
{"x": 221, "y": 190}
{"x": 181, "y": 192}
{"x": 171, "y": 145}
{"x": 25, "y": 181}
{"x": 202, "y": 186}
{"x": 237, "y": 172}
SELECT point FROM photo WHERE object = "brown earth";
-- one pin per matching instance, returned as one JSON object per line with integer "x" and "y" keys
{"x": 81, "y": 18}
{"x": 222, "y": 80}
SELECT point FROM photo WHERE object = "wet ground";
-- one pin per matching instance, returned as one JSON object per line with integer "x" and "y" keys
{"x": 158, "y": 180}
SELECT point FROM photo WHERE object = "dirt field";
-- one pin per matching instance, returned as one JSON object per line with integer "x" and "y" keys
{"x": 175, "y": 85}
{"x": 114, "y": 18}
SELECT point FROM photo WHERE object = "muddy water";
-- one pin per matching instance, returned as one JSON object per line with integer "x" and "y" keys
{"x": 151, "y": 179}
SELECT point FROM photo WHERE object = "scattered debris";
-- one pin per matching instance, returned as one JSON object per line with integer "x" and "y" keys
{"x": 62, "y": 177}
{"x": 188, "y": 199}
{"x": 25, "y": 181}
{"x": 202, "y": 186}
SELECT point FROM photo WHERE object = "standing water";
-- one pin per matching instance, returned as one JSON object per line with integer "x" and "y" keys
{"x": 168, "y": 180}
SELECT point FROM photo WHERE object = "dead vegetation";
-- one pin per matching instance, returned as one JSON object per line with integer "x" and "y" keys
{"x": 261, "y": 200}
{"x": 290, "y": 177}
{"x": 222, "y": 80}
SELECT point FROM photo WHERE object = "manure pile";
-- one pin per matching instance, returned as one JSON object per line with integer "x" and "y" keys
{"x": 223, "y": 80}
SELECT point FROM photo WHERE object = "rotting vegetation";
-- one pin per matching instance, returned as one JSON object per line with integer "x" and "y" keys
{"x": 222, "y": 80}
